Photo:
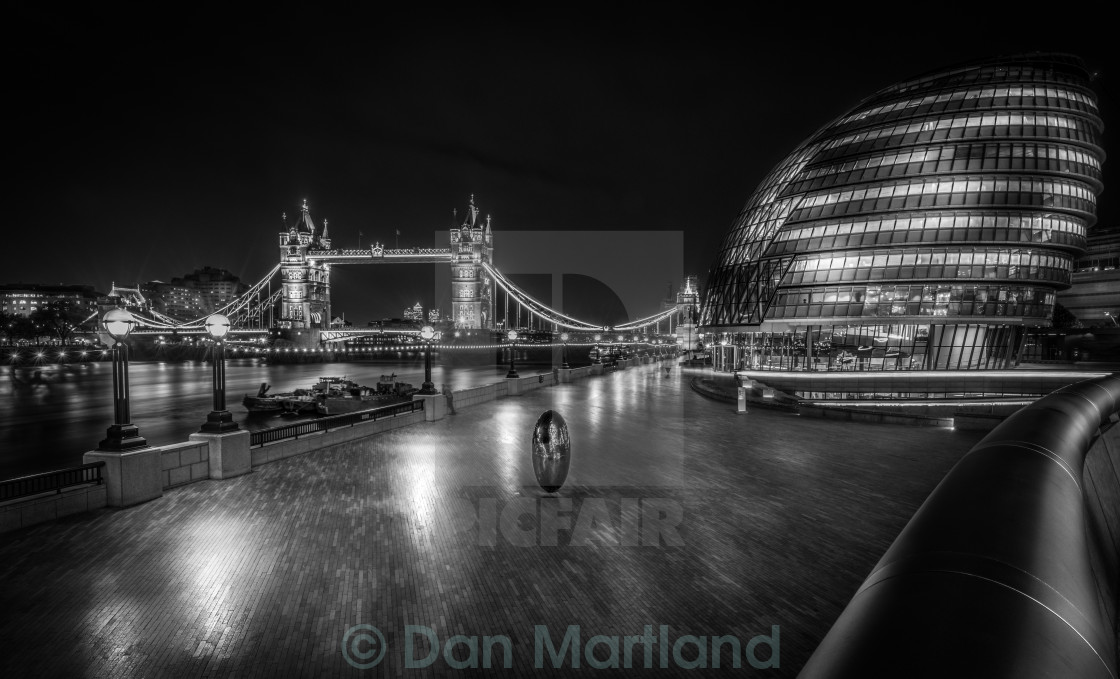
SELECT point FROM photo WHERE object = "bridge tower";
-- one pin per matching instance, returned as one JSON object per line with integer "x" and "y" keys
{"x": 472, "y": 244}
{"x": 306, "y": 302}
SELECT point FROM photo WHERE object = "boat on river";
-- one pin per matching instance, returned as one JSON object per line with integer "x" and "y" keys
{"x": 353, "y": 397}
{"x": 264, "y": 402}
{"x": 296, "y": 402}
{"x": 299, "y": 402}
{"x": 331, "y": 395}
{"x": 388, "y": 384}
{"x": 306, "y": 401}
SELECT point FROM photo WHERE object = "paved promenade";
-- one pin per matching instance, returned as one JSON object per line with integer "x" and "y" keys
{"x": 676, "y": 512}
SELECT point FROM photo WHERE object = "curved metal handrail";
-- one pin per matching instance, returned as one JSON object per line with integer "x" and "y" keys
{"x": 994, "y": 574}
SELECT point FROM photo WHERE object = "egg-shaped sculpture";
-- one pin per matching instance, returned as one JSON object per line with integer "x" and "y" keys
{"x": 552, "y": 451}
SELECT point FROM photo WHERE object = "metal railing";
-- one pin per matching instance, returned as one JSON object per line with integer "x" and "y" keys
{"x": 56, "y": 481}
{"x": 998, "y": 573}
{"x": 263, "y": 436}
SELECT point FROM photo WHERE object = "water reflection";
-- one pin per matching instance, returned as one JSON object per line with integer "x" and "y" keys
{"x": 51, "y": 414}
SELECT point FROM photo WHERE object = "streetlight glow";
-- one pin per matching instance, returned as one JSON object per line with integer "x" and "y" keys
{"x": 118, "y": 323}
{"x": 217, "y": 325}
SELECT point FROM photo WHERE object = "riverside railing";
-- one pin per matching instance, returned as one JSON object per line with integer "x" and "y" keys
{"x": 47, "y": 482}
{"x": 263, "y": 436}
{"x": 1006, "y": 570}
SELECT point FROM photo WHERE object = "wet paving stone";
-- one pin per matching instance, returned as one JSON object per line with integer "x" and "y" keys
{"x": 676, "y": 512}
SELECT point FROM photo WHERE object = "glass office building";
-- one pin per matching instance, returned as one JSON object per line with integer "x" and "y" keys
{"x": 925, "y": 229}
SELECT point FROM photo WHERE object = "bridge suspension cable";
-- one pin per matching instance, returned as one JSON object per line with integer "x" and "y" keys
{"x": 647, "y": 321}
{"x": 550, "y": 315}
{"x": 535, "y": 307}
{"x": 161, "y": 317}
{"x": 246, "y": 314}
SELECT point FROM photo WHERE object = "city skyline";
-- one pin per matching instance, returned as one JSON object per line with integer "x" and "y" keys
{"x": 188, "y": 157}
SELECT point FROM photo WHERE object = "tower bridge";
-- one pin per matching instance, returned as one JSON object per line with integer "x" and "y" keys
{"x": 306, "y": 258}
{"x": 298, "y": 308}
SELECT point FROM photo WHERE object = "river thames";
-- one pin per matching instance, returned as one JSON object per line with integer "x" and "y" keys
{"x": 48, "y": 421}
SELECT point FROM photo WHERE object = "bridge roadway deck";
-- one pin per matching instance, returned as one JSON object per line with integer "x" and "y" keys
{"x": 259, "y": 576}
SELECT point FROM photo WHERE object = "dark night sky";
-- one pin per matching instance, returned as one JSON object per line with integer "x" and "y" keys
{"x": 141, "y": 147}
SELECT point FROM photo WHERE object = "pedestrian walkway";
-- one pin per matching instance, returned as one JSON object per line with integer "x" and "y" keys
{"x": 676, "y": 512}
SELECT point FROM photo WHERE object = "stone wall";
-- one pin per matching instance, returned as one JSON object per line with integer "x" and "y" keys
{"x": 466, "y": 398}
{"x": 47, "y": 507}
{"x": 185, "y": 463}
{"x": 279, "y": 450}
{"x": 520, "y": 385}
{"x": 572, "y": 374}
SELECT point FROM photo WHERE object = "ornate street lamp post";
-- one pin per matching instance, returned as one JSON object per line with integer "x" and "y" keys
{"x": 512, "y": 349}
{"x": 123, "y": 435}
{"x": 564, "y": 351}
{"x": 690, "y": 339}
{"x": 219, "y": 420}
{"x": 428, "y": 334}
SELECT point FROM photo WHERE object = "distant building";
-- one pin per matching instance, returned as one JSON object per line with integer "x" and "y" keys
{"x": 194, "y": 295}
{"x": 215, "y": 287}
{"x": 130, "y": 298}
{"x": 176, "y": 301}
{"x": 391, "y": 324}
{"x": 22, "y": 299}
{"x": 416, "y": 314}
{"x": 433, "y": 316}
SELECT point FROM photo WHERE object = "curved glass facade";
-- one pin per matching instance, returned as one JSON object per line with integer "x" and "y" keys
{"x": 958, "y": 198}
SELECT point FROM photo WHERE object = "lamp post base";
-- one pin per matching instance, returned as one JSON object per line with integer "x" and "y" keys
{"x": 512, "y": 373}
{"x": 219, "y": 422}
{"x": 427, "y": 389}
{"x": 122, "y": 437}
